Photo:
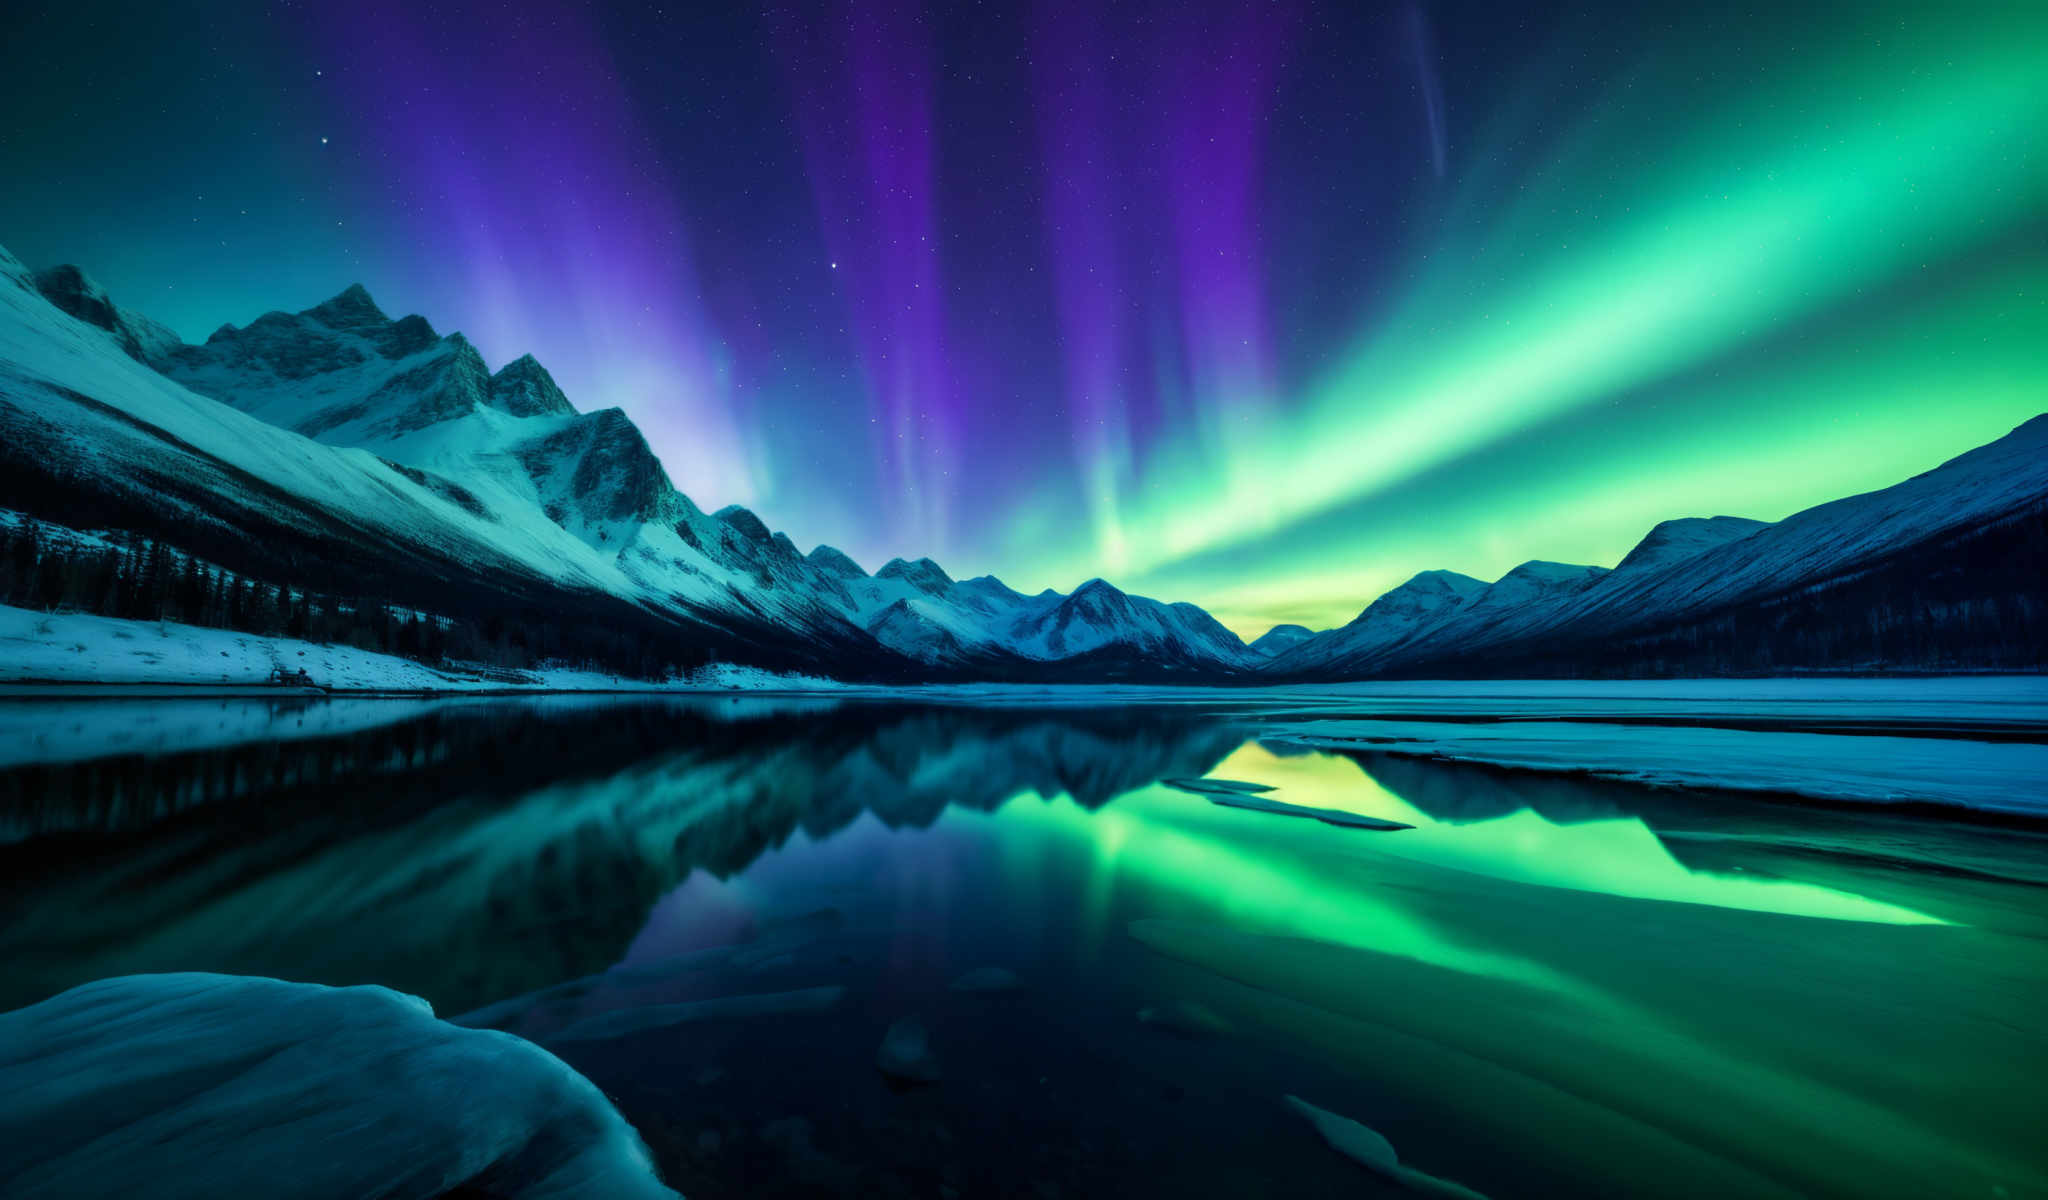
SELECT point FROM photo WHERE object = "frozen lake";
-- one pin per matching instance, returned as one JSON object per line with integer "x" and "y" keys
{"x": 1080, "y": 943}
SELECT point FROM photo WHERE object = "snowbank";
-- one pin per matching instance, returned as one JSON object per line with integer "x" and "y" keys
{"x": 217, "y": 1085}
{"x": 720, "y": 677}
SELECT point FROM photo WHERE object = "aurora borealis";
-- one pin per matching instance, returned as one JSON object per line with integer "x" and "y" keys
{"x": 1264, "y": 306}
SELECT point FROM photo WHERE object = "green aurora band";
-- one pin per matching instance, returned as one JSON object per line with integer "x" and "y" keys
{"x": 1734, "y": 287}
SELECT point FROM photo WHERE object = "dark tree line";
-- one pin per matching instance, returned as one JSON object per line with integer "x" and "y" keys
{"x": 493, "y": 611}
{"x": 136, "y": 577}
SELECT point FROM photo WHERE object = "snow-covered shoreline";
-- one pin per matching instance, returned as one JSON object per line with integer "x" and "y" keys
{"x": 80, "y": 655}
{"x": 75, "y": 654}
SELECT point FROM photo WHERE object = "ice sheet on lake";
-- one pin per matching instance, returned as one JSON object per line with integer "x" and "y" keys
{"x": 1986, "y": 698}
{"x": 197, "y": 1086}
{"x": 1999, "y": 776}
{"x": 1990, "y": 698}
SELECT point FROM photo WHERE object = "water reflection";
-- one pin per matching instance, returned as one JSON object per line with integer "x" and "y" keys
{"x": 467, "y": 851}
{"x": 714, "y": 907}
{"x": 478, "y": 851}
{"x": 1538, "y": 830}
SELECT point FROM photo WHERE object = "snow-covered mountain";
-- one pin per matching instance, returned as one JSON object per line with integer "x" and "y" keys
{"x": 393, "y": 441}
{"x": 1946, "y": 570}
{"x": 345, "y": 452}
{"x": 1671, "y": 541}
{"x": 1279, "y": 638}
{"x": 1387, "y": 623}
{"x": 80, "y": 295}
{"x": 918, "y": 610}
{"x": 1097, "y": 619}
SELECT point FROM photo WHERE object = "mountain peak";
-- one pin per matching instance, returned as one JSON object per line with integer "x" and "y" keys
{"x": 744, "y": 522}
{"x": 1425, "y": 596}
{"x": 924, "y": 574}
{"x": 1281, "y": 637}
{"x": 989, "y": 585}
{"x": 1098, "y": 600}
{"x": 1679, "y": 539}
{"x": 1538, "y": 579}
{"x": 1542, "y": 571}
{"x": 351, "y": 309}
{"x": 1442, "y": 583}
{"x": 524, "y": 388}
{"x": 836, "y": 562}
{"x": 1423, "y": 591}
{"x": 410, "y": 335}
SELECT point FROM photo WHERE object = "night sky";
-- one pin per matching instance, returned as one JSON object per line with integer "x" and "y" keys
{"x": 1261, "y": 305}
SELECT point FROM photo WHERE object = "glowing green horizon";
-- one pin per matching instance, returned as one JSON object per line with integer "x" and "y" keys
{"x": 1720, "y": 295}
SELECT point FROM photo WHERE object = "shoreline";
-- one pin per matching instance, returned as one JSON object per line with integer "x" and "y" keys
{"x": 72, "y": 690}
{"x": 1959, "y": 749}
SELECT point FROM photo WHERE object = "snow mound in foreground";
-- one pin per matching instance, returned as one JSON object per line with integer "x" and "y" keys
{"x": 198, "y": 1085}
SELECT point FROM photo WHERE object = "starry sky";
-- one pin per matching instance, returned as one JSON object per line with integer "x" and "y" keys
{"x": 1263, "y": 304}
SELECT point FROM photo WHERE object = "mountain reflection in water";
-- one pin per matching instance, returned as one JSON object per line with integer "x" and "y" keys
{"x": 715, "y": 907}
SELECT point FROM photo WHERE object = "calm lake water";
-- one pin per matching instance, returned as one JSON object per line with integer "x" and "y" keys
{"x": 819, "y": 947}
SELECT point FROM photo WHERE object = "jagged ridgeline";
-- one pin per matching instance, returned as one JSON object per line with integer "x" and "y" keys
{"x": 340, "y": 473}
{"x": 365, "y": 464}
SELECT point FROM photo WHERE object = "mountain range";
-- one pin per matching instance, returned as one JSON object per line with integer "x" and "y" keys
{"x": 1947, "y": 570}
{"x": 342, "y": 451}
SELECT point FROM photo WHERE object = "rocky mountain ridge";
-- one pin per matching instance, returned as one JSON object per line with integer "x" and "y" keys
{"x": 510, "y": 451}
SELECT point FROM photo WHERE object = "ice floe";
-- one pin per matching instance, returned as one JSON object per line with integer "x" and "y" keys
{"x": 1217, "y": 787}
{"x": 1328, "y": 816}
{"x": 905, "y": 1055}
{"x": 202, "y": 1086}
{"x": 1367, "y": 1148}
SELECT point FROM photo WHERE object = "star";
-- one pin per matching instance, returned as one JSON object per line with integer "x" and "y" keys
{"x": 323, "y": 141}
